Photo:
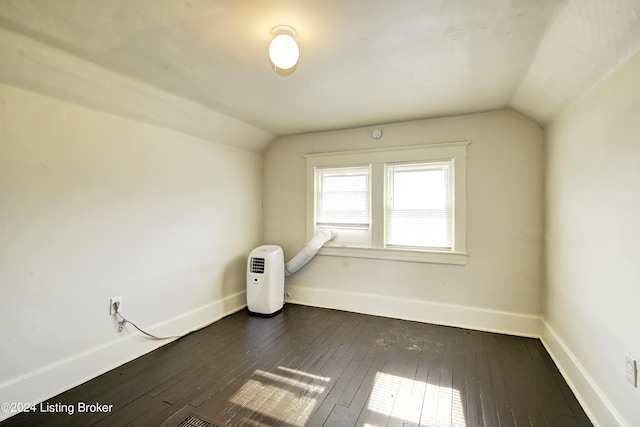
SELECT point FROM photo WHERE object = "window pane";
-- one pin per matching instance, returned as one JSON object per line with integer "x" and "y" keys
{"x": 424, "y": 189}
{"x": 342, "y": 197}
{"x": 419, "y": 209}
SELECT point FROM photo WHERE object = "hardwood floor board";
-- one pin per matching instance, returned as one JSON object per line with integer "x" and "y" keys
{"x": 347, "y": 385}
{"x": 220, "y": 397}
{"x": 538, "y": 418}
{"x": 267, "y": 422}
{"x": 51, "y": 419}
{"x": 434, "y": 358}
{"x": 409, "y": 396}
{"x": 449, "y": 401}
{"x": 341, "y": 372}
{"x": 190, "y": 385}
{"x": 238, "y": 357}
{"x": 421, "y": 377}
{"x": 244, "y": 368}
{"x": 223, "y": 379}
{"x": 115, "y": 388}
{"x": 202, "y": 355}
{"x": 319, "y": 374}
{"x": 355, "y": 381}
{"x": 485, "y": 387}
{"x": 309, "y": 366}
{"x": 159, "y": 367}
{"x": 291, "y": 399}
{"x": 398, "y": 381}
{"x": 140, "y": 412}
{"x": 394, "y": 383}
{"x": 204, "y": 371}
{"x": 466, "y": 378}
{"x": 387, "y": 382}
{"x": 557, "y": 398}
{"x": 501, "y": 396}
{"x": 518, "y": 368}
{"x": 514, "y": 364}
{"x": 291, "y": 406}
{"x": 289, "y": 347}
{"x": 287, "y": 386}
{"x": 347, "y": 415}
{"x": 257, "y": 403}
{"x": 303, "y": 372}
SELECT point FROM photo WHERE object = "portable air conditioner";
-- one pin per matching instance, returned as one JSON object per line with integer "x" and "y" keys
{"x": 265, "y": 280}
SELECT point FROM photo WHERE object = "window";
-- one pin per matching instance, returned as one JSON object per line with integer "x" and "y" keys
{"x": 405, "y": 203}
{"x": 343, "y": 202}
{"x": 419, "y": 209}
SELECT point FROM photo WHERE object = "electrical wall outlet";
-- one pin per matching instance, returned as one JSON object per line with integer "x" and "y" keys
{"x": 112, "y": 301}
{"x": 631, "y": 370}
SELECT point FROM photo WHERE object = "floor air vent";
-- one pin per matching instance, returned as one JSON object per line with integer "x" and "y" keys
{"x": 257, "y": 265}
{"x": 192, "y": 421}
{"x": 188, "y": 417}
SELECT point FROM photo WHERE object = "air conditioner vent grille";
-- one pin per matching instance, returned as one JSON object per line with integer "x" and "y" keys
{"x": 257, "y": 265}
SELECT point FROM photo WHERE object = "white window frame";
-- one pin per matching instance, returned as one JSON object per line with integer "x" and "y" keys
{"x": 377, "y": 159}
{"x": 348, "y": 235}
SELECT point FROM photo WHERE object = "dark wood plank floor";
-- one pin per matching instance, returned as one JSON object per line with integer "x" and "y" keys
{"x": 317, "y": 367}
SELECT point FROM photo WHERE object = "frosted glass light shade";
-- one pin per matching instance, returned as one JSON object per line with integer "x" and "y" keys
{"x": 284, "y": 51}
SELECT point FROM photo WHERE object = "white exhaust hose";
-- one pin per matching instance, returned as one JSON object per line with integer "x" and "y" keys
{"x": 314, "y": 245}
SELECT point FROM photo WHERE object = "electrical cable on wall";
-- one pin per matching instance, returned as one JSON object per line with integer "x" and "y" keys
{"x": 124, "y": 321}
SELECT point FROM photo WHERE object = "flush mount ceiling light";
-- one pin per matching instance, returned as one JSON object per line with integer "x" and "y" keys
{"x": 283, "y": 50}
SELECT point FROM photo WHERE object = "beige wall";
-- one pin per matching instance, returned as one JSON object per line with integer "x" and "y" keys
{"x": 593, "y": 228}
{"x": 501, "y": 283}
{"x": 94, "y": 206}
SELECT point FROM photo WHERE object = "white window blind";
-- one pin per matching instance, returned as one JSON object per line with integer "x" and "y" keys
{"x": 343, "y": 197}
{"x": 419, "y": 208}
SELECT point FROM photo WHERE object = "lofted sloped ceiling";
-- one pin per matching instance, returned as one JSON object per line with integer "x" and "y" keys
{"x": 362, "y": 62}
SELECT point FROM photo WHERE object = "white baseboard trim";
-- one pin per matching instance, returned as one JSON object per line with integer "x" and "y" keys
{"x": 420, "y": 311}
{"x": 591, "y": 398}
{"x": 49, "y": 381}
{"x": 42, "y": 384}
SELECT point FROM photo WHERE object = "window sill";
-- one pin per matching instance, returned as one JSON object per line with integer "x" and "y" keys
{"x": 433, "y": 257}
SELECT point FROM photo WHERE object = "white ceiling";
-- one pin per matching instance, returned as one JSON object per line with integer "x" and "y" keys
{"x": 362, "y": 62}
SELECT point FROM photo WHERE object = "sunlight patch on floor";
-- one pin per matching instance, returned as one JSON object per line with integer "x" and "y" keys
{"x": 307, "y": 387}
{"x": 304, "y": 374}
{"x": 272, "y": 394}
{"x": 416, "y": 402}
